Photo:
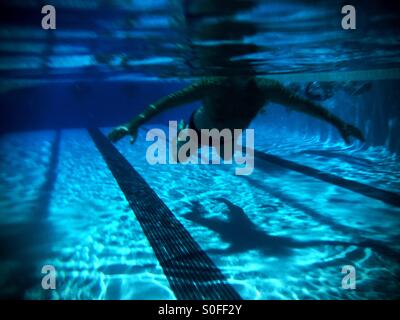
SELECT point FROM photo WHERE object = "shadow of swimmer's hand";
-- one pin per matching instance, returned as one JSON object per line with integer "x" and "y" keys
{"x": 120, "y": 132}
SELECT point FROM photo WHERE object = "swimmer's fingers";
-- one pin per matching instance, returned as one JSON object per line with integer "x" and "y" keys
{"x": 348, "y": 130}
{"x": 133, "y": 139}
{"x": 355, "y": 132}
{"x": 345, "y": 137}
{"x": 133, "y": 134}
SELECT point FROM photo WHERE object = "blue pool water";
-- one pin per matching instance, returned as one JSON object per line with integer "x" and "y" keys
{"x": 287, "y": 236}
{"x": 283, "y": 232}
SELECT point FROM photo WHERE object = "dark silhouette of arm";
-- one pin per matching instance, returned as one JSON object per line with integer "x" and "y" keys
{"x": 188, "y": 94}
{"x": 277, "y": 93}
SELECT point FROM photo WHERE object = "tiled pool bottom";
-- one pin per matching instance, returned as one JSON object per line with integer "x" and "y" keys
{"x": 276, "y": 234}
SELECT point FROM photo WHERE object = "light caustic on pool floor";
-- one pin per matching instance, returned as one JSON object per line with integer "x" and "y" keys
{"x": 305, "y": 224}
{"x": 275, "y": 234}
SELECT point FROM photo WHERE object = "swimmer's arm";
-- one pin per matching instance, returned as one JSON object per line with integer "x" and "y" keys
{"x": 277, "y": 93}
{"x": 189, "y": 94}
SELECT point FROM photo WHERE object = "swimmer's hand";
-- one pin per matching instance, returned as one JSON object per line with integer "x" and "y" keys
{"x": 348, "y": 130}
{"x": 122, "y": 131}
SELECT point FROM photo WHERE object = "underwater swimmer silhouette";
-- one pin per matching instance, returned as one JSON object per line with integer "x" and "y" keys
{"x": 232, "y": 103}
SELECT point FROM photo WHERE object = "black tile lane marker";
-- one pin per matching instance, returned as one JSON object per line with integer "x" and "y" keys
{"x": 385, "y": 196}
{"x": 190, "y": 272}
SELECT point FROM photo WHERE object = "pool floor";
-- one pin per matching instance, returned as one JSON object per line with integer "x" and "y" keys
{"x": 274, "y": 234}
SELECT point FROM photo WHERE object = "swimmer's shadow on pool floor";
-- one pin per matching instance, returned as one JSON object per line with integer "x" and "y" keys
{"x": 243, "y": 235}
